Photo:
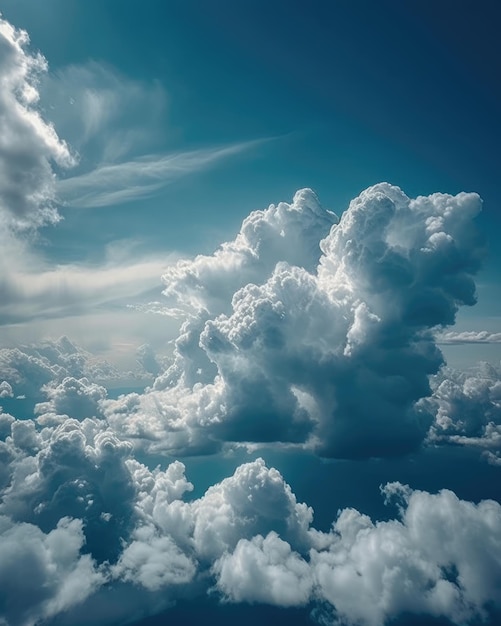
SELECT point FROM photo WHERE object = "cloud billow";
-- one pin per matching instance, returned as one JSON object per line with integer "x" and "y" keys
{"x": 308, "y": 331}
{"x": 466, "y": 406}
{"x": 247, "y": 539}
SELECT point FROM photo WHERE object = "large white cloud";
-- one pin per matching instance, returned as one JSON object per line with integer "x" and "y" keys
{"x": 440, "y": 559}
{"x": 306, "y": 331}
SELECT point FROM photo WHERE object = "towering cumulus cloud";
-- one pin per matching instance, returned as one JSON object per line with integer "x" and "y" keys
{"x": 308, "y": 331}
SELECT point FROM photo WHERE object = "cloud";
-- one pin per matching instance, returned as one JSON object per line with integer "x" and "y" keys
{"x": 5, "y": 390}
{"x": 116, "y": 183}
{"x": 43, "y": 574}
{"x": 467, "y": 409}
{"x": 32, "y": 156}
{"x": 51, "y": 368}
{"x": 29, "y": 145}
{"x": 439, "y": 559}
{"x": 264, "y": 570}
{"x": 468, "y": 336}
{"x": 105, "y": 536}
{"x": 305, "y": 331}
{"x": 33, "y": 290}
{"x": 73, "y": 397}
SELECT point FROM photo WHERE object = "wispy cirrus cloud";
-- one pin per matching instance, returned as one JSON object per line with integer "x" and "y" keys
{"x": 141, "y": 177}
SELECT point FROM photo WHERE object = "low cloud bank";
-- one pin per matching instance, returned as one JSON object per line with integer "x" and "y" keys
{"x": 85, "y": 528}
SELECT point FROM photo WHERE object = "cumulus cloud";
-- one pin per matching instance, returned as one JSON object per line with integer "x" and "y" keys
{"x": 73, "y": 469}
{"x": 57, "y": 370}
{"x": 467, "y": 409}
{"x": 78, "y": 398}
{"x": 310, "y": 332}
{"x": 43, "y": 574}
{"x": 93, "y": 524}
{"x": 439, "y": 559}
{"x": 5, "y": 390}
{"x": 265, "y": 570}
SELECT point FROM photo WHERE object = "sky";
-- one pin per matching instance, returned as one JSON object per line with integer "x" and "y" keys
{"x": 250, "y": 332}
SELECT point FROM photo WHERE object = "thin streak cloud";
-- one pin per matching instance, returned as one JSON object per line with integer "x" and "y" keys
{"x": 112, "y": 184}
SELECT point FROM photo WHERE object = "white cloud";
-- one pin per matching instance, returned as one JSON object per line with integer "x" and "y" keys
{"x": 467, "y": 409}
{"x": 440, "y": 559}
{"x": 28, "y": 144}
{"x": 264, "y": 570}
{"x": 73, "y": 397}
{"x": 5, "y": 390}
{"x": 468, "y": 336}
{"x": 42, "y": 574}
{"x": 306, "y": 332}
{"x": 136, "y": 528}
{"x": 154, "y": 561}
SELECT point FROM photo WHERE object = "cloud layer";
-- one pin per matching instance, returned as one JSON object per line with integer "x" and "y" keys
{"x": 101, "y": 534}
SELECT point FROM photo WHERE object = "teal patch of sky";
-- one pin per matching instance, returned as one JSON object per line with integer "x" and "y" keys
{"x": 331, "y": 485}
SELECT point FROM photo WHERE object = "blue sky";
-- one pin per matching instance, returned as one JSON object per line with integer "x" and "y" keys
{"x": 278, "y": 427}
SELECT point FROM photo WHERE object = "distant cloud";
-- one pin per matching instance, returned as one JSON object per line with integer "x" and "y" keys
{"x": 467, "y": 409}
{"x": 469, "y": 336}
{"x": 5, "y": 390}
{"x": 49, "y": 369}
{"x": 32, "y": 292}
{"x": 115, "y": 183}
